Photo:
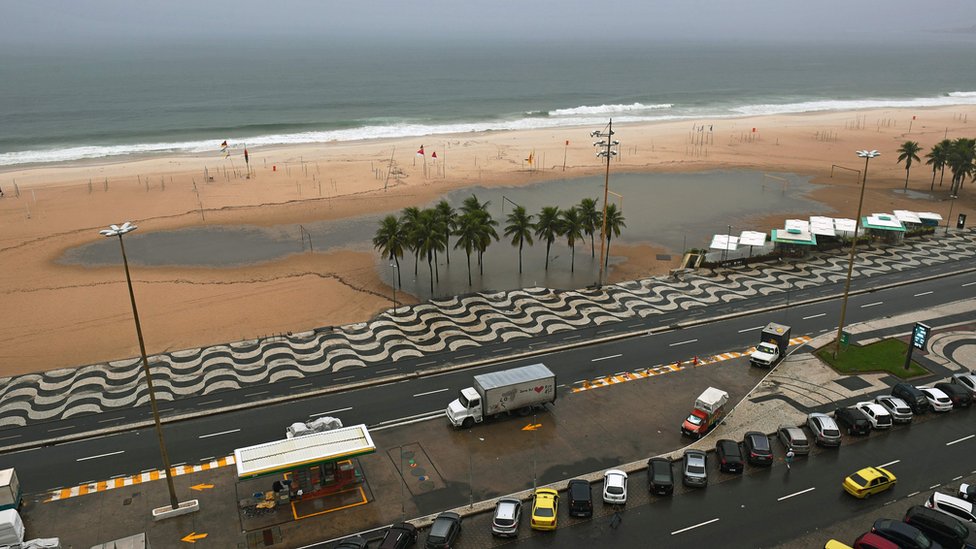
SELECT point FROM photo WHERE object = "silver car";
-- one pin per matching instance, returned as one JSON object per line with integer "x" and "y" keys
{"x": 695, "y": 473}
{"x": 508, "y": 514}
{"x": 794, "y": 438}
{"x": 898, "y": 408}
{"x": 966, "y": 380}
{"x": 824, "y": 428}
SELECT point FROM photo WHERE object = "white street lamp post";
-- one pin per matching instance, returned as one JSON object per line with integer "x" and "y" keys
{"x": 607, "y": 142}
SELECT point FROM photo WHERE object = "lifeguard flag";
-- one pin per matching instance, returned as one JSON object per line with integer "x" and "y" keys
{"x": 224, "y": 144}
{"x": 434, "y": 155}
{"x": 567, "y": 142}
{"x": 420, "y": 151}
{"x": 531, "y": 156}
{"x": 246, "y": 159}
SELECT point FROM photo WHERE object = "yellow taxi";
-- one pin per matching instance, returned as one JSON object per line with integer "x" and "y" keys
{"x": 869, "y": 481}
{"x": 834, "y": 544}
{"x": 544, "y": 505}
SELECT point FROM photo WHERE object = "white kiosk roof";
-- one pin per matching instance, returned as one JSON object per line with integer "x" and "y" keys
{"x": 802, "y": 224}
{"x": 884, "y": 220}
{"x": 844, "y": 224}
{"x": 724, "y": 242}
{"x": 906, "y": 216}
{"x": 285, "y": 455}
{"x": 929, "y": 215}
{"x": 822, "y": 226}
{"x": 752, "y": 238}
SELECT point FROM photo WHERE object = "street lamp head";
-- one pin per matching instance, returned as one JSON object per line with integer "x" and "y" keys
{"x": 868, "y": 154}
{"x": 595, "y": 133}
{"x": 119, "y": 230}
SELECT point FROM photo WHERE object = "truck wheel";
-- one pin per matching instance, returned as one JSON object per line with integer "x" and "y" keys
{"x": 467, "y": 423}
{"x": 525, "y": 411}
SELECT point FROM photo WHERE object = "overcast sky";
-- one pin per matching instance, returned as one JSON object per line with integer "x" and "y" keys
{"x": 33, "y": 23}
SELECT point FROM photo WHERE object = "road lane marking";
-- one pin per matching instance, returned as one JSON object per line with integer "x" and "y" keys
{"x": 330, "y": 412}
{"x": 344, "y": 378}
{"x": 814, "y": 316}
{"x": 695, "y": 526}
{"x": 407, "y": 420}
{"x": 957, "y": 478}
{"x": 866, "y": 305}
{"x": 607, "y": 331}
{"x": 968, "y": 284}
{"x": 301, "y": 385}
{"x": 220, "y": 433}
{"x": 502, "y": 350}
{"x": 431, "y": 392}
{"x": 256, "y": 394}
{"x": 605, "y": 358}
{"x": 934, "y": 486}
{"x": 211, "y": 458}
{"x": 912, "y": 494}
{"x": 60, "y": 428}
{"x": 101, "y": 455}
{"x": 682, "y": 342}
{"x": 959, "y": 440}
{"x": 426, "y": 363}
{"x": 432, "y": 413}
{"x": 567, "y": 338}
{"x": 209, "y": 402}
{"x": 11, "y": 436}
{"x": 890, "y": 463}
{"x": 110, "y": 419}
{"x": 923, "y": 293}
{"x": 386, "y": 371}
{"x": 797, "y": 493}
{"x": 751, "y": 329}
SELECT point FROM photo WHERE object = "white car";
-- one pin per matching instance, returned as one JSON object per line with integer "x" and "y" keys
{"x": 953, "y": 506}
{"x": 898, "y": 408}
{"x": 938, "y": 400}
{"x": 615, "y": 487}
{"x": 966, "y": 380}
{"x": 877, "y": 415}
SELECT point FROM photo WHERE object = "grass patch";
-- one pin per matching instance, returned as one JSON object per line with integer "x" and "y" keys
{"x": 883, "y": 356}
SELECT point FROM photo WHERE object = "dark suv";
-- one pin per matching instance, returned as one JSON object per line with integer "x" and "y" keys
{"x": 580, "y": 498}
{"x": 912, "y": 396}
{"x": 938, "y": 526}
{"x": 959, "y": 395}
{"x": 758, "y": 449}
{"x": 660, "y": 477}
{"x": 853, "y": 420}
{"x": 729, "y": 456}
{"x": 400, "y": 536}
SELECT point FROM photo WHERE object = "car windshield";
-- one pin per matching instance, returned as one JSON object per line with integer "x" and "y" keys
{"x": 859, "y": 480}
{"x": 464, "y": 402}
{"x": 616, "y": 490}
{"x": 831, "y": 432}
{"x": 543, "y": 512}
{"x": 694, "y": 420}
{"x": 440, "y": 528}
{"x": 662, "y": 476}
{"x": 766, "y": 348}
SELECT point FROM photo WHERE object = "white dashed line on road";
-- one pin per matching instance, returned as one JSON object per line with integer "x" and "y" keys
{"x": 934, "y": 486}
{"x": 912, "y": 494}
{"x": 957, "y": 478}
{"x": 386, "y": 371}
{"x": 796, "y": 493}
{"x": 301, "y": 385}
{"x": 576, "y": 336}
{"x": 968, "y": 284}
{"x": 431, "y": 392}
{"x": 682, "y": 343}
{"x": 101, "y": 455}
{"x": 607, "y": 331}
{"x": 959, "y": 440}
{"x": 330, "y": 412}
{"x": 220, "y": 433}
{"x": 60, "y": 428}
{"x": 10, "y": 437}
{"x": 751, "y": 329}
{"x": 110, "y": 419}
{"x": 814, "y": 316}
{"x": 866, "y": 305}
{"x": 605, "y": 358}
{"x": 256, "y": 394}
{"x": 695, "y": 526}
{"x": 890, "y": 463}
{"x": 923, "y": 293}
{"x": 209, "y": 402}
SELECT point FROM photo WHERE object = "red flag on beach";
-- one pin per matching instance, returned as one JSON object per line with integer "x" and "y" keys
{"x": 567, "y": 142}
{"x": 434, "y": 155}
{"x": 246, "y": 160}
{"x": 420, "y": 151}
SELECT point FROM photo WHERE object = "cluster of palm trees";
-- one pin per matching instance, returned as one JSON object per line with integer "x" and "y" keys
{"x": 428, "y": 232}
{"x": 959, "y": 155}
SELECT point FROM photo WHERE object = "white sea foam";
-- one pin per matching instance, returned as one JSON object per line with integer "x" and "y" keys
{"x": 955, "y": 98}
{"x": 608, "y": 109}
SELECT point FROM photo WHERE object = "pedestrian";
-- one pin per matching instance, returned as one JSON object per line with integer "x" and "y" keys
{"x": 789, "y": 457}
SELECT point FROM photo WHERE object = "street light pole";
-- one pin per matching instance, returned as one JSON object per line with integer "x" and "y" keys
{"x": 867, "y": 156}
{"x": 607, "y": 154}
{"x": 949, "y": 219}
{"x": 394, "y": 287}
{"x": 116, "y": 230}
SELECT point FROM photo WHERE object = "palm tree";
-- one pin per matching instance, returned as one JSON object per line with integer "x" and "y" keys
{"x": 519, "y": 228}
{"x": 449, "y": 217}
{"x": 409, "y": 220}
{"x": 471, "y": 205}
{"x": 615, "y": 222}
{"x": 389, "y": 240}
{"x": 937, "y": 158}
{"x": 572, "y": 227}
{"x": 962, "y": 162}
{"x": 591, "y": 220}
{"x": 909, "y": 153}
{"x": 548, "y": 227}
{"x": 486, "y": 231}
{"x": 468, "y": 236}
{"x": 430, "y": 240}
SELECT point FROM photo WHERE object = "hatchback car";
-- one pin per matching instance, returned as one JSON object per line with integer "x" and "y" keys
{"x": 939, "y": 527}
{"x": 794, "y": 439}
{"x": 400, "y": 536}
{"x": 870, "y": 540}
{"x": 729, "y": 456}
{"x": 508, "y": 515}
{"x": 355, "y": 542}
{"x": 898, "y": 408}
{"x": 876, "y": 414}
{"x": 959, "y": 395}
{"x": 660, "y": 477}
{"x": 915, "y": 399}
{"x": 545, "y": 504}
{"x": 444, "y": 531}
{"x": 824, "y": 428}
{"x": 967, "y": 492}
{"x": 869, "y": 481}
{"x": 853, "y": 420}
{"x": 966, "y": 380}
{"x": 938, "y": 400}
{"x": 695, "y": 472}
{"x": 615, "y": 487}
{"x": 905, "y": 535}
{"x": 580, "y": 498}
{"x": 757, "y": 448}
{"x": 951, "y": 505}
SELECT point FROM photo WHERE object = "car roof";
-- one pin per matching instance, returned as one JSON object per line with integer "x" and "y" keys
{"x": 545, "y": 492}
{"x": 871, "y": 473}
{"x": 939, "y": 497}
{"x": 505, "y": 508}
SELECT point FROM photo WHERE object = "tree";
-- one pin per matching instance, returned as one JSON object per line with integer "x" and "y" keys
{"x": 486, "y": 232}
{"x": 471, "y": 205}
{"x": 937, "y": 158}
{"x": 389, "y": 240}
{"x": 909, "y": 153}
{"x": 409, "y": 220}
{"x": 430, "y": 239}
{"x": 449, "y": 218}
{"x": 591, "y": 220}
{"x": 467, "y": 237}
{"x": 548, "y": 227}
{"x": 962, "y": 162}
{"x": 572, "y": 227}
{"x": 615, "y": 222}
{"x": 519, "y": 228}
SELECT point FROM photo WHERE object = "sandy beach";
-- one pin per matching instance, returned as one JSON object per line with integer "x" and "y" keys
{"x": 58, "y": 315}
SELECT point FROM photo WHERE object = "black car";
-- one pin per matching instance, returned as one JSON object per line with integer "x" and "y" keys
{"x": 355, "y": 542}
{"x": 400, "y": 536}
{"x": 660, "y": 477}
{"x": 912, "y": 396}
{"x": 959, "y": 395}
{"x": 580, "y": 498}
{"x": 758, "y": 449}
{"x": 853, "y": 420}
{"x": 729, "y": 456}
{"x": 905, "y": 535}
{"x": 444, "y": 531}
{"x": 938, "y": 526}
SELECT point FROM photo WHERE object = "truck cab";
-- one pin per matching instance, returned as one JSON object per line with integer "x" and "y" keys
{"x": 466, "y": 409}
{"x": 766, "y": 354}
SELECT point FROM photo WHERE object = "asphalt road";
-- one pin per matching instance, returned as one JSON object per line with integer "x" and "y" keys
{"x": 382, "y": 406}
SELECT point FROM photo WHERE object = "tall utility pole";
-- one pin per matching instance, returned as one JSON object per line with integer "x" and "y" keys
{"x": 606, "y": 144}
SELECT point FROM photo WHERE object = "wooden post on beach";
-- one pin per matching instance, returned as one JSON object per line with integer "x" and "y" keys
{"x": 89, "y": 186}
{"x": 106, "y": 185}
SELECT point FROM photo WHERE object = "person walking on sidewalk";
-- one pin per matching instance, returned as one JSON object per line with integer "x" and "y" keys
{"x": 789, "y": 457}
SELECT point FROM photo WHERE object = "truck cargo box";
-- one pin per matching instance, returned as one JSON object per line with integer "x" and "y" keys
{"x": 511, "y": 390}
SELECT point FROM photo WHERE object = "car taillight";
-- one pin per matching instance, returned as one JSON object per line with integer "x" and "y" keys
{"x": 753, "y": 454}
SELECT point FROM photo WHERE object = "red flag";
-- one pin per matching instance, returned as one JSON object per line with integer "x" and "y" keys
{"x": 420, "y": 151}
{"x": 224, "y": 144}
{"x": 567, "y": 142}
{"x": 246, "y": 160}
{"x": 913, "y": 117}
{"x": 433, "y": 155}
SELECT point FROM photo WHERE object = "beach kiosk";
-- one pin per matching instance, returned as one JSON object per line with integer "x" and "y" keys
{"x": 885, "y": 227}
{"x": 795, "y": 240}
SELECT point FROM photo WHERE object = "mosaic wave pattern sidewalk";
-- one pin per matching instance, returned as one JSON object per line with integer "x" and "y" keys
{"x": 436, "y": 326}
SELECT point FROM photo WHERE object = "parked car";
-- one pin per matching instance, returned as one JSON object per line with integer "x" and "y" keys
{"x": 853, "y": 420}
{"x": 508, "y": 515}
{"x": 898, "y": 408}
{"x": 757, "y": 448}
{"x": 966, "y": 380}
{"x": 967, "y": 492}
{"x": 545, "y": 504}
{"x": 400, "y": 536}
{"x": 729, "y": 456}
{"x": 876, "y": 414}
{"x": 444, "y": 531}
{"x": 794, "y": 438}
{"x": 951, "y": 505}
{"x": 695, "y": 473}
{"x": 824, "y": 428}
{"x": 660, "y": 477}
{"x": 834, "y": 544}
{"x": 615, "y": 487}
{"x": 939, "y": 527}
{"x": 580, "y": 498}
{"x": 869, "y": 481}
{"x": 355, "y": 542}
{"x": 870, "y": 540}
{"x": 905, "y": 535}
{"x": 915, "y": 399}
{"x": 958, "y": 395}
{"x": 938, "y": 400}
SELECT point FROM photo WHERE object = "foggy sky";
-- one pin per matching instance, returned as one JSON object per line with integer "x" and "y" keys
{"x": 58, "y": 23}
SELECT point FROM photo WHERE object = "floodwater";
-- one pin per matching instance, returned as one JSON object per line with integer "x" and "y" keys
{"x": 675, "y": 211}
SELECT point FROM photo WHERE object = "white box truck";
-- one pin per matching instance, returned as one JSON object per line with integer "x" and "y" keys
{"x": 499, "y": 394}
{"x": 10, "y": 495}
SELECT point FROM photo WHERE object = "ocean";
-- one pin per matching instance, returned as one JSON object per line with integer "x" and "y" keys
{"x": 58, "y": 106}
